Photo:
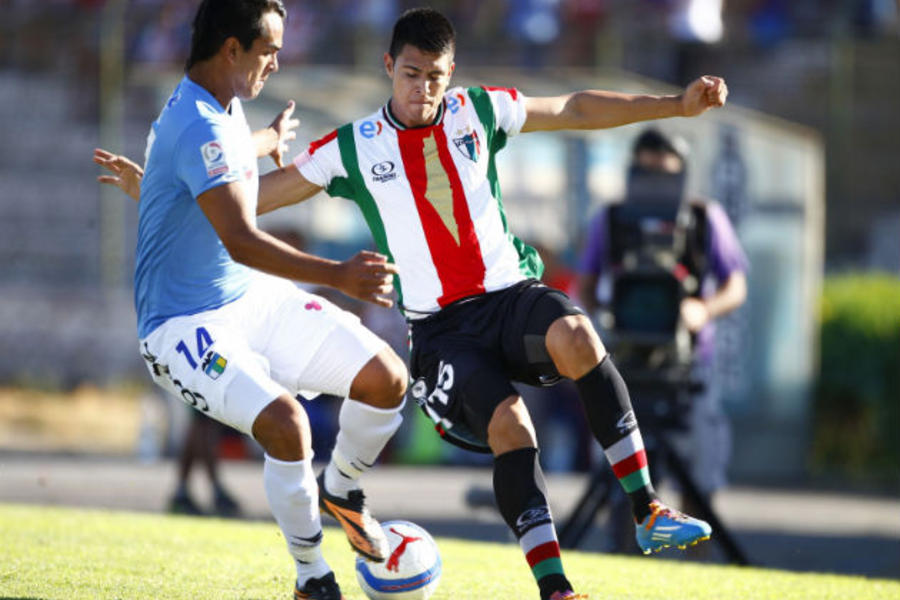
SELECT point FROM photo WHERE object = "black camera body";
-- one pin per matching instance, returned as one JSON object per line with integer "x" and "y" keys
{"x": 658, "y": 254}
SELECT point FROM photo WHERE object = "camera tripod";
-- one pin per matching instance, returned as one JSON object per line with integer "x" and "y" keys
{"x": 657, "y": 414}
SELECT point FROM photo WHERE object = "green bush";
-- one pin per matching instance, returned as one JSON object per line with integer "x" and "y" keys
{"x": 856, "y": 428}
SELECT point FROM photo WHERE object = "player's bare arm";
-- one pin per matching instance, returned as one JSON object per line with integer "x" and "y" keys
{"x": 697, "y": 312}
{"x": 281, "y": 187}
{"x": 273, "y": 140}
{"x": 598, "y": 109}
{"x": 367, "y": 276}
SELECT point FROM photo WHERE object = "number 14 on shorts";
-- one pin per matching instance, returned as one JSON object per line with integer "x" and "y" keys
{"x": 213, "y": 363}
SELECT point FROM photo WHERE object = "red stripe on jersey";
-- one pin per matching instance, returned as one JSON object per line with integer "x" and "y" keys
{"x": 511, "y": 91}
{"x": 635, "y": 462}
{"x": 313, "y": 146}
{"x": 460, "y": 267}
{"x": 542, "y": 552}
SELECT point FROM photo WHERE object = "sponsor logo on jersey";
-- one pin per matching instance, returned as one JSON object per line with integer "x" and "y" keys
{"x": 214, "y": 158}
{"x": 214, "y": 364}
{"x": 469, "y": 145}
{"x": 383, "y": 171}
{"x": 532, "y": 517}
{"x": 419, "y": 390}
{"x": 455, "y": 101}
{"x": 626, "y": 422}
{"x": 369, "y": 129}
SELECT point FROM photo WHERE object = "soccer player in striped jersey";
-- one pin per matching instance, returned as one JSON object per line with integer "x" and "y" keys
{"x": 422, "y": 170}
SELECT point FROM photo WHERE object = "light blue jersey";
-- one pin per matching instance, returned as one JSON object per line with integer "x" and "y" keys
{"x": 182, "y": 267}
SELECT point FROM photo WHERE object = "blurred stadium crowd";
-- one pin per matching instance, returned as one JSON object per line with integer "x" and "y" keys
{"x": 531, "y": 33}
{"x": 828, "y": 64}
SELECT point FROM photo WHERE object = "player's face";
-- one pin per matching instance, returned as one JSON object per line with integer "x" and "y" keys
{"x": 254, "y": 66}
{"x": 419, "y": 82}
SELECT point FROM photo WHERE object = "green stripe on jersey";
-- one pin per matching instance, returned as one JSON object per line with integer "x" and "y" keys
{"x": 530, "y": 263}
{"x": 354, "y": 188}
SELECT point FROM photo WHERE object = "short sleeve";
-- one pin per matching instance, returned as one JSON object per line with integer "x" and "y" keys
{"x": 204, "y": 159}
{"x": 509, "y": 108}
{"x": 726, "y": 255}
{"x": 594, "y": 256}
{"x": 321, "y": 162}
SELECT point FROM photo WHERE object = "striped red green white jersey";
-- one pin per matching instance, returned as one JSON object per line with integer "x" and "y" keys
{"x": 431, "y": 196}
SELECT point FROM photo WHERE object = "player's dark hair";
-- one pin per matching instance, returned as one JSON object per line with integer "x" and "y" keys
{"x": 425, "y": 29}
{"x": 218, "y": 20}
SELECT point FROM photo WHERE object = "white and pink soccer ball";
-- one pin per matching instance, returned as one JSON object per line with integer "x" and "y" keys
{"x": 411, "y": 572}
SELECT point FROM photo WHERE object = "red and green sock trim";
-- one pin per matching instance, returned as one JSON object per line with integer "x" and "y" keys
{"x": 542, "y": 551}
{"x": 629, "y": 462}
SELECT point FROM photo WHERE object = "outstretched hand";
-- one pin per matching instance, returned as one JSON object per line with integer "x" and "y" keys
{"x": 368, "y": 276}
{"x": 702, "y": 94}
{"x": 284, "y": 127}
{"x": 126, "y": 174}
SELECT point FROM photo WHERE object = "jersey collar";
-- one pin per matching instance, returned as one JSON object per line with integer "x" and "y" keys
{"x": 396, "y": 124}
{"x": 210, "y": 99}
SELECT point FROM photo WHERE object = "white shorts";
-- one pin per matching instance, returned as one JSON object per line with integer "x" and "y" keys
{"x": 231, "y": 362}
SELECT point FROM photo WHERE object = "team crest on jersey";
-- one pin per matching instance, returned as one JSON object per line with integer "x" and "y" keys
{"x": 469, "y": 145}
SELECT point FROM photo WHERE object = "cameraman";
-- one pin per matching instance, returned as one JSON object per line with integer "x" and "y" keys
{"x": 705, "y": 445}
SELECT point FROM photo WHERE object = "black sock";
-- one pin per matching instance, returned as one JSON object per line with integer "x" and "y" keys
{"x": 522, "y": 499}
{"x": 608, "y": 406}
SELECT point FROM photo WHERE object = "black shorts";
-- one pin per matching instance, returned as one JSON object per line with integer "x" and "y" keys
{"x": 464, "y": 358}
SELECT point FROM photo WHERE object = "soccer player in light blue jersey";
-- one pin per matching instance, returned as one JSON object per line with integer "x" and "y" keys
{"x": 220, "y": 324}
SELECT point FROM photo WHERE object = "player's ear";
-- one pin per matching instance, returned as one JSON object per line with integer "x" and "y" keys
{"x": 389, "y": 65}
{"x": 230, "y": 48}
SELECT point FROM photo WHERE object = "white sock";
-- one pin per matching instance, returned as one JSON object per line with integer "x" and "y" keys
{"x": 364, "y": 430}
{"x": 294, "y": 499}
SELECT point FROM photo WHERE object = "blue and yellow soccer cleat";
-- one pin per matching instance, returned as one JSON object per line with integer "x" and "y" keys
{"x": 665, "y": 527}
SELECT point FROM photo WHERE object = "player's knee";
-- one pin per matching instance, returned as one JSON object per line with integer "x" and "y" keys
{"x": 585, "y": 342}
{"x": 574, "y": 345}
{"x": 282, "y": 429}
{"x": 396, "y": 379}
{"x": 382, "y": 382}
{"x": 510, "y": 427}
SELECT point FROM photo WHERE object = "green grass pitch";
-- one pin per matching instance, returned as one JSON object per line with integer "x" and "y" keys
{"x": 60, "y": 553}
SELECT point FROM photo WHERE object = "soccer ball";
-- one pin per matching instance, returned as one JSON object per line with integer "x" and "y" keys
{"x": 412, "y": 570}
